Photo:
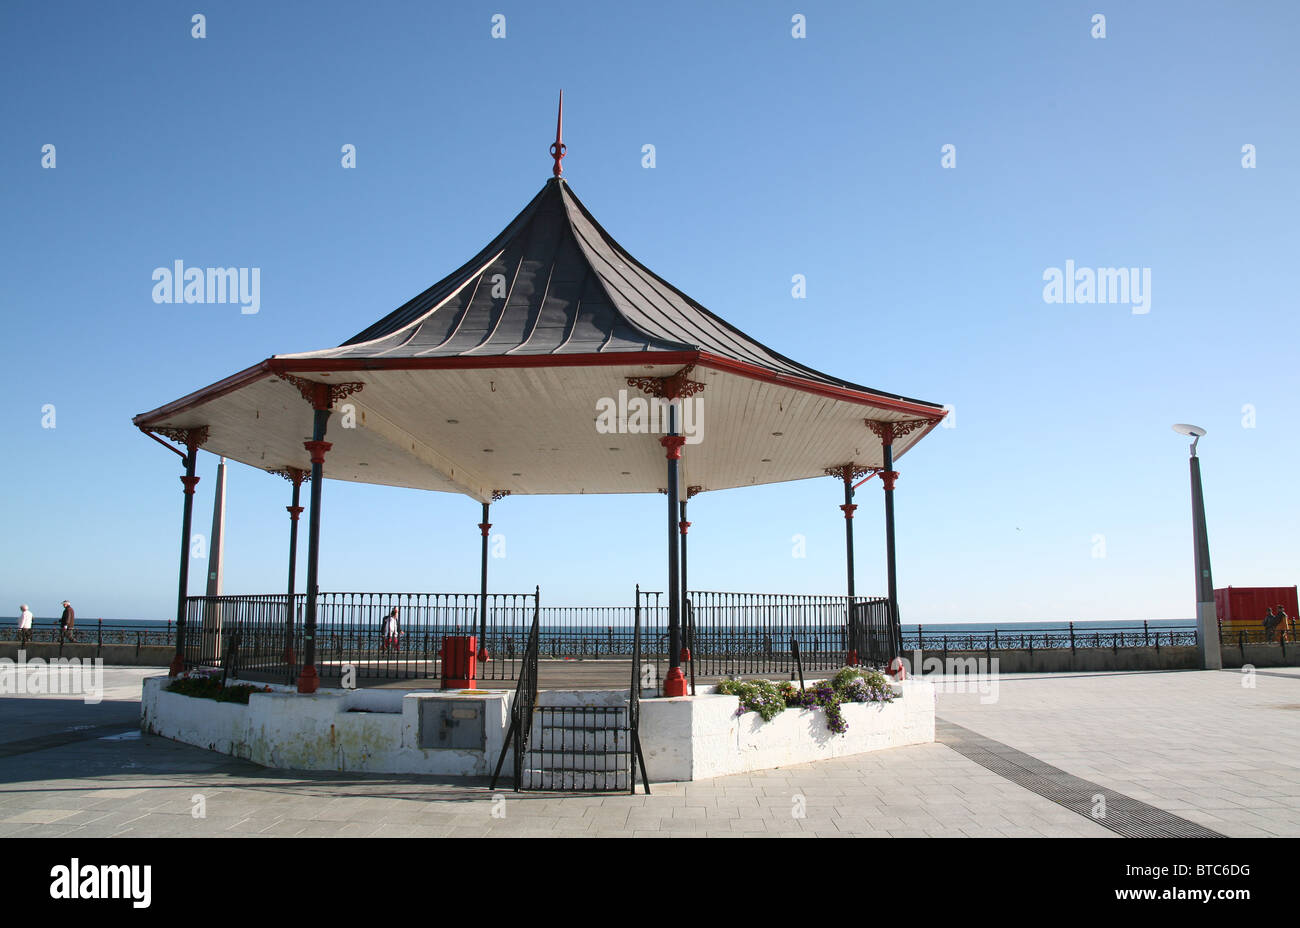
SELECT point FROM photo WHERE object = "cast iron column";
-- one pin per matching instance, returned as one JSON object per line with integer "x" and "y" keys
{"x": 295, "y": 477}
{"x": 848, "y": 508}
{"x": 309, "y": 680}
{"x": 682, "y": 526}
{"x": 675, "y": 682}
{"x": 189, "y": 481}
{"x": 889, "y": 475}
{"x": 485, "y": 526}
{"x": 1207, "y": 622}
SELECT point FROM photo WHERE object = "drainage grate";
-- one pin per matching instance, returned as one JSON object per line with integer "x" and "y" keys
{"x": 1124, "y": 814}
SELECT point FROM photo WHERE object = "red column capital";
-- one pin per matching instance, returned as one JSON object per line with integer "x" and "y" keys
{"x": 674, "y": 445}
{"x": 294, "y": 512}
{"x": 190, "y": 483}
{"x": 317, "y": 450}
{"x": 849, "y": 509}
{"x": 485, "y": 527}
{"x": 683, "y": 526}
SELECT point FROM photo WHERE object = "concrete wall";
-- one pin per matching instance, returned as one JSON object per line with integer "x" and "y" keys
{"x": 696, "y": 737}
{"x": 118, "y": 655}
{"x": 689, "y": 738}
{"x": 287, "y": 730}
{"x": 1084, "y": 660}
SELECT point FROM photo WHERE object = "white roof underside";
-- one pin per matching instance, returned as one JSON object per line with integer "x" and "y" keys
{"x": 532, "y": 430}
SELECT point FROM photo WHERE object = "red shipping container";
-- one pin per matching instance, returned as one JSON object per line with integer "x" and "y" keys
{"x": 459, "y": 662}
{"x": 1247, "y": 605}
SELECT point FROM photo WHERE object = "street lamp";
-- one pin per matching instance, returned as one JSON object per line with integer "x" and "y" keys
{"x": 1207, "y": 621}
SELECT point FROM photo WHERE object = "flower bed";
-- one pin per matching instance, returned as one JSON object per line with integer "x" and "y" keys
{"x": 771, "y": 699}
{"x": 205, "y": 686}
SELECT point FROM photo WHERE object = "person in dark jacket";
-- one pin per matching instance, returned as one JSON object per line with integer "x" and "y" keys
{"x": 66, "y": 622}
{"x": 1283, "y": 626}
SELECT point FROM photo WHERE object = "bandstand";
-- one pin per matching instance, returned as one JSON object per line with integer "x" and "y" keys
{"x": 552, "y": 362}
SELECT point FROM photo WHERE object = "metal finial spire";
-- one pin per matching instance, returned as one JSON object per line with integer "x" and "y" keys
{"x": 559, "y": 148}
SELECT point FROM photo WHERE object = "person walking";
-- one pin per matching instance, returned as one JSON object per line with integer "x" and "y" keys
{"x": 391, "y": 631}
{"x": 1283, "y": 626}
{"x": 66, "y": 623}
{"x": 24, "y": 625}
{"x": 1270, "y": 623}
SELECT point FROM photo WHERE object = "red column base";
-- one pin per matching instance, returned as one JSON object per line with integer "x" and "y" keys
{"x": 851, "y": 660}
{"x": 308, "y": 680}
{"x": 686, "y": 654}
{"x": 675, "y": 683}
{"x": 177, "y": 666}
{"x": 483, "y": 656}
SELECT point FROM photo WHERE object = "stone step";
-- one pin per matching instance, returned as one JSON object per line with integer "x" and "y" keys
{"x": 540, "y": 778}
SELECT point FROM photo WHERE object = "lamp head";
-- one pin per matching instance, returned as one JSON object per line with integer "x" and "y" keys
{"x": 1195, "y": 431}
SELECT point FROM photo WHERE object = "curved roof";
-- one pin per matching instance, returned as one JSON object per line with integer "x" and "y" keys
{"x": 554, "y": 282}
{"x": 522, "y": 372}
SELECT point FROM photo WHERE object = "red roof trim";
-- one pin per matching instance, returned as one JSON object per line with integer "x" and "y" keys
{"x": 604, "y": 359}
{"x": 220, "y": 388}
{"x": 745, "y": 369}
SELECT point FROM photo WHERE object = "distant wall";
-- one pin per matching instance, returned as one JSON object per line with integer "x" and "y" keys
{"x": 121, "y": 655}
{"x": 1091, "y": 660}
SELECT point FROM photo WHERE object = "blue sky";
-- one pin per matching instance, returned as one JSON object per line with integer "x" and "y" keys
{"x": 775, "y": 156}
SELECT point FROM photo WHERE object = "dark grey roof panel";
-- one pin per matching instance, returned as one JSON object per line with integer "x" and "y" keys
{"x": 569, "y": 289}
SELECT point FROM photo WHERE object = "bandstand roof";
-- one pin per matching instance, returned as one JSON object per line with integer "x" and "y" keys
{"x": 489, "y": 381}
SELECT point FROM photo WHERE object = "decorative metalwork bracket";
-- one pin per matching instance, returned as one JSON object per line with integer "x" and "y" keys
{"x": 190, "y": 438}
{"x": 321, "y": 395}
{"x": 673, "y": 387}
{"x": 888, "y": 431}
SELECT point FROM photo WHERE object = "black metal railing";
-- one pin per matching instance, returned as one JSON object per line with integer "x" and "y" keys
{"x": 1032, "y": 639}
{"x": 521, "y": 709}
{"x": 750, "y": 633}
{"x": 96, "y": 632}
{"x": 1238, "y": 634}
{"x": 726, "y": 634}
{"x": 634, "y": 698}
{"x": 351, "y": 633}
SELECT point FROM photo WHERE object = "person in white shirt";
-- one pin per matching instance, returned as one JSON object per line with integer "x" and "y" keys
{"x": 24, "y": 625}
{"x": 390, "y": 631}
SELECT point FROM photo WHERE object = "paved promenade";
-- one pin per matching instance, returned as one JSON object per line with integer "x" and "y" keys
{"x": 1192, "y": 747}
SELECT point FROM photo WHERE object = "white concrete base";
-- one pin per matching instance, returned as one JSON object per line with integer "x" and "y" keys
{"x": 687, "y": 738}
{"x": 696, "y": 737}
{"x": 287, "y": 730}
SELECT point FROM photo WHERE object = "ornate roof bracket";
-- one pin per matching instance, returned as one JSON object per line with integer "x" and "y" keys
{"x": 673, "y": 387}
{"x": 295, "y": 475}
{"x": 847, "y": 472}
{"x": 191, "y": 438}
{"x": 499, "y": 495}
{"x": 888, "y": 431}
{"x": 321, "y": 395}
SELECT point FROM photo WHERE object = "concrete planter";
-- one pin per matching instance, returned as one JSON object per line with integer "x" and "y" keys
{"x": 697, "y": 737}
{"x": 378, "y": 731}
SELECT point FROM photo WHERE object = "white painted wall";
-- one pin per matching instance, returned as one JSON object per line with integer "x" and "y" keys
{"x": 696, "y": 737}
{"x": 687, "y": 738}
{"x": 289, "y": 730}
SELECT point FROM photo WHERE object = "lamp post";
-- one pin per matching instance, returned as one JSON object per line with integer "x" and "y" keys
{"x": 1207, "y": 621}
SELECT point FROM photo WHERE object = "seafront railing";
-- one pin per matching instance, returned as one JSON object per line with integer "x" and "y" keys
{"x": 734, "y": 633}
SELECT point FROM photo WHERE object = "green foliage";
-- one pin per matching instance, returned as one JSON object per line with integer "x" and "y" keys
{"x": 852, "y": 684}
{"x": 761, "y": 696}
{"x": 211, "y": 688}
